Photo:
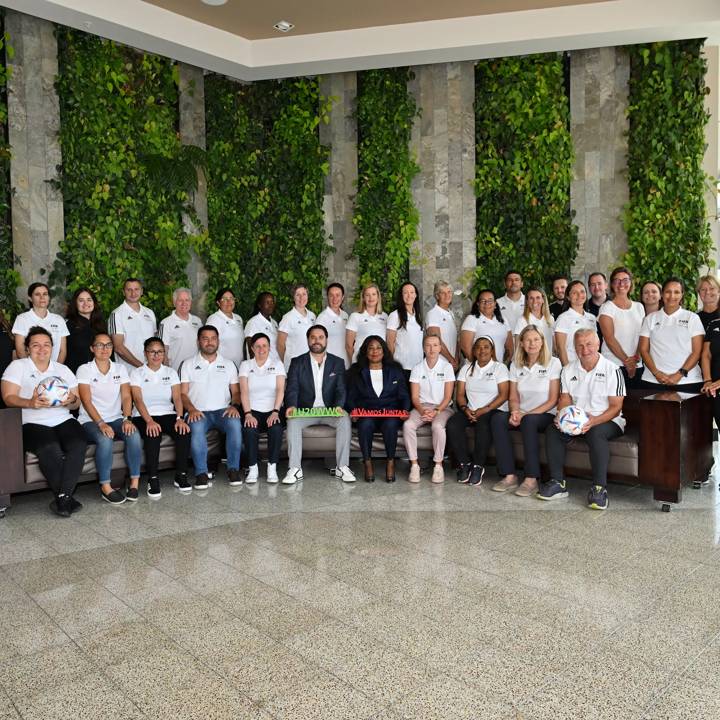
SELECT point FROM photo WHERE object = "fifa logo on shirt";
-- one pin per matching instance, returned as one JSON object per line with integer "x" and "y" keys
{"x": 599, "y": 376}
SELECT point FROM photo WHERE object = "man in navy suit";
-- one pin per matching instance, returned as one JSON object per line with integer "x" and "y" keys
{"x": 317, "y": 379}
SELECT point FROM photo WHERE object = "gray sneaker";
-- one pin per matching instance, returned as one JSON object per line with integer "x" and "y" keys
{"x": 552, "y": 490}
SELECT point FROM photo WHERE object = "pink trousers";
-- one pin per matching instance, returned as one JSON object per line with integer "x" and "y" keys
{"x": 411, "y": 425}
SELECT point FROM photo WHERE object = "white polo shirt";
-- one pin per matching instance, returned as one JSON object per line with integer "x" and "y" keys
{"x": 104, "y": 390}
{"x": 511, "y": 310}
{"x": 231, "y": 334}
{"x": 445, "y": 321}
{"x": 569, "y": 323}
{"x": 262, "y": 382}
{"x": 432, "y": 381}
{"x": 260, "y": 324}
{"x": 53, "y": 323}
{"x": 488, "y": 327}
{"x": 363, "y": 325}
{"x": 408, "y": 340}
{"x": 481, "y": 383}
{"x": 546, "y": 328}
{"x": 156, "y": 387}
{"x": 335, "y": 326}
{"x": 591, "y": 390}
{"x": 135, "y": 327}
{"x": 26, "y": 376}
{"x": 180, "y": 336}
{"x": 671, "y": 342}
{"x": 296, "y": 326}
{"x": 209, "y": 381}
{"x": 626, "y": 328}
{"x": 533, "y": 383}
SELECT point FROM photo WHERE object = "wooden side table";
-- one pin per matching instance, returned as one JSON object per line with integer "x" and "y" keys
{"x": 12, "y": 475}
{"x": 675, "y": 443}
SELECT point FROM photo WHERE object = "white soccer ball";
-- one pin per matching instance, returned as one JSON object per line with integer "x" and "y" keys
{"x": 571, "y": 419}
{"x": 54, "y": 389}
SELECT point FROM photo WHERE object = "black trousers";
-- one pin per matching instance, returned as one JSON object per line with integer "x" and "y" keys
{"x": 457, "y": 438}
{"x": 152, "y": 444}
{"x": 60, "y": 451}
{"x": 251, "y": 438}
{"x": 530, "y": 427}
{"x": 659, "y": 387}
{"x": 597, "y": 438}
{"x": 389, "y": 427}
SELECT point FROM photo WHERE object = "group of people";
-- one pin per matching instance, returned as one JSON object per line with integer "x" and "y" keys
{"x": 514, "y": 363}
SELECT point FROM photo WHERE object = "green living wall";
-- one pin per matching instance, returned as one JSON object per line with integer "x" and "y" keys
{"x": 667, "y": 228}
{"x": 385, "y": 215}
{"x": 266, "y": 174}
{"x": 524, "y": 162}
{"x": 119, "y": 116}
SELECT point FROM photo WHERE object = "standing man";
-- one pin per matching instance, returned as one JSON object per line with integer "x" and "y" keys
{"x": 596, "y": 385}
{"x": 316, "y": 379}
{"x": 559, "y": 286}
{"x": 210, "y": 390}
{"x": 179, "y": 330}
{"x": 130, "y": 325}
{"x": 512, "y": 303}
{"x": 597, "y": 285}
{"x": 440, "y": 322}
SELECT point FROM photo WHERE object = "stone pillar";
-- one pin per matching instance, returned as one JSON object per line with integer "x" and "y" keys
{"x": 33, "y": 125}
{"x": 341, "y": 136}
{"x": 711, "y": 163}
{"x": 192, "y": 132}
{"x": 443, "y": 140}
{"x": 598, "y": 122}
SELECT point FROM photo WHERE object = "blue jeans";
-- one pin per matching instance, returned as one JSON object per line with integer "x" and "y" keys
{"x": 104, "y": 446}
{"x": 229, "y": 426}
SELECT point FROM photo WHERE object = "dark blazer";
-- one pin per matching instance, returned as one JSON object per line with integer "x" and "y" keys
{"x": 300, "y": 384}
{"x": 394, "y": 395}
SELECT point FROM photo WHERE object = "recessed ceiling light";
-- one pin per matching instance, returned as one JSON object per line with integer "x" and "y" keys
{"x": 283, "y": 26}
{"x": 214, "y": 2}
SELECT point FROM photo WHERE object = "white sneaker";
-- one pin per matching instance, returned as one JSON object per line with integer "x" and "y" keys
{"x": 414, "y": 476}
{"x": 438, "y": 474}
{"x": 253, "y": 474}
{"x": 272, "y": 476}
{"x": 345, "y": 474}
{"x": 293, "y": 475}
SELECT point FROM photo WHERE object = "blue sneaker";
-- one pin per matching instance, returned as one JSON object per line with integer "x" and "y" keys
{"x": 598, "y": 498}
{"x": 552, "y": 490}
{"x": 476, "y": 475}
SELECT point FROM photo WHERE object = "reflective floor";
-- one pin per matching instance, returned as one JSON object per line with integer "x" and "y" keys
{"x": 325, "y": 600}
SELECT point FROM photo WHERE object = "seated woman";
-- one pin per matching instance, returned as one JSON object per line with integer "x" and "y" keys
{"x": 155, "y": 391}
{"x": 262, "y": 386}
{"x": 104, "y": 388}
{"x": 534, "y": 392}
{"x": 482, "y": 389}
{"x": 671, "y": 342}
{"x": 376, "y": 382}
{"x": 50, "y": 432}
{"x": 431, "y": 389}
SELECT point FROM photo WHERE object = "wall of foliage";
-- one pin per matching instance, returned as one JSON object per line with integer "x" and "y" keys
{"x": 667, "y": 227}
{"x": 385, "y": 215}
{"x": 119, "y": 114}
{"x": 266, "y": 171}
{"x": 524, "y": 167}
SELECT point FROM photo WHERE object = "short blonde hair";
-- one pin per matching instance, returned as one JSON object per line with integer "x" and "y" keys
{"x": 362, "y": 306}
{"x": 521, "y": 359}
{"x": 710, "y": 280}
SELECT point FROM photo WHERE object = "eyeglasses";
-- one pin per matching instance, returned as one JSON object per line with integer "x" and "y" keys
{"x": 103, "y": 346}
{"x": 622, "y": 281}
{"x": 155, "y": 352}
{"x": 487, "y": 302}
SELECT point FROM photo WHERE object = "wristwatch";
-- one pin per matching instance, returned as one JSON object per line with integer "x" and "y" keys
{"x": 683, "y": 372}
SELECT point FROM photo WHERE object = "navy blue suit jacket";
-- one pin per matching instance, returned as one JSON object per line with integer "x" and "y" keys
{"x": 394, "y": 395}
{"x": 300, "y": 385}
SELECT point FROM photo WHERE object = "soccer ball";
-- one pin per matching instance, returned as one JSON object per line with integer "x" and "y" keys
{"x": 571, "y": 419}
{"x": 54, "y": 389}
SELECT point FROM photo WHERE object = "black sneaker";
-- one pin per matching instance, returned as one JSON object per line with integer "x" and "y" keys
{"x": 114, "y": 497}
{"x": 153, "y": 488}
{"x": 75, "y": 505}
{"x": 132, "y": 494}
{"x": 182, "y": 483}
{"x": 202, "y": 482}
{"x": 235, "y": 478}
{"x": 463, "y": 472}
{"x": 597, "y": 498}
{"x": 61, "y": 506}
{"x": 476, "y": 475}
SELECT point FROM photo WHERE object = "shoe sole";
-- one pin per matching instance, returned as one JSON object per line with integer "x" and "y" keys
{"x": 347, "y": 480}
{"x": 184, "y": 490}
{"x": 113, "y": 502}
{"x": 272, "y": 481}
{"x": 558, "y": 496}
{"x": 132, "y": 499}
{"x": 154, "y": 496}
{"x": 201, "y": 487}
{"x": 594, "y": 506}
{"x": 250, "y": 481}
{"x": 235, "y": 483}
{"x": 509, "y": 488}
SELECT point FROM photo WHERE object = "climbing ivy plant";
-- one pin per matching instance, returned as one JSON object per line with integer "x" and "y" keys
{"x": 266, "y": 174}
{"x": 524, "y": 164}
{"x": 119, "y": 113}
{"x": 666, "y": 219}
{"x": 385, "y": 215}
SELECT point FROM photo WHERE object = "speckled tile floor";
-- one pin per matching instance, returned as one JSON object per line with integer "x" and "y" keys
{"x": 378, "y": 601}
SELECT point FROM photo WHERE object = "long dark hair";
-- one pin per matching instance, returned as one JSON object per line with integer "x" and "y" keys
{"x": 566, "y": 302}
{"x": 362, "y": 362}
{"x": 402, "y": 310}
{"x": 476, "y": 305}
{"x": 97, "y": 319}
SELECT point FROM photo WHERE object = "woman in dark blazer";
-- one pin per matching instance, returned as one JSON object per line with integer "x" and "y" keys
{"x": 376, "y": 382}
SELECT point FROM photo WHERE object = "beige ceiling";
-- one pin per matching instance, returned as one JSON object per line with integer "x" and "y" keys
{"x": 254, "y": 19}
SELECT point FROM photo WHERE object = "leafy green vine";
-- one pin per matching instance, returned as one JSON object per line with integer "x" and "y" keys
{"x": 385, "y": 215}
{"x": 524, "y": 164}
{"x": 667, "y": 227}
